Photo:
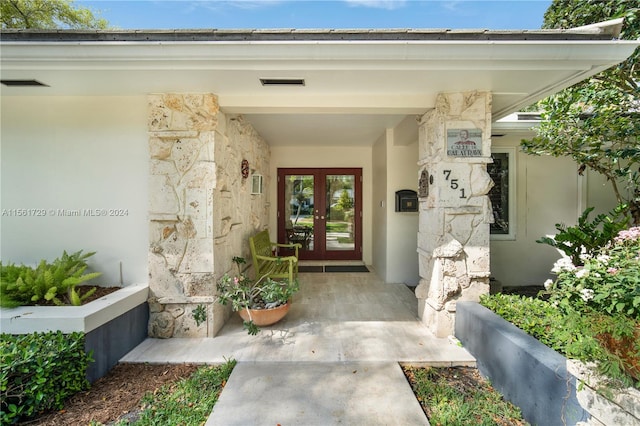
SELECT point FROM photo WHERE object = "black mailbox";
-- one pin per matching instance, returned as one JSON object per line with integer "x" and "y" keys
{"x": 406, "y": 201}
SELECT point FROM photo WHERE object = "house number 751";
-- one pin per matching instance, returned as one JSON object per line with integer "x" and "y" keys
{"x": 453, "y": 183}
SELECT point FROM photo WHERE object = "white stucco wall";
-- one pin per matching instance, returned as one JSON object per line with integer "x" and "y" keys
{"x": 599, "y": 193}
{"x": 76, "y": 153}
{"x": 547, "y": 192}
{"x": 325, "y": 156}
{"x": 402, "y": 227}
{"x": 380, "y": 206}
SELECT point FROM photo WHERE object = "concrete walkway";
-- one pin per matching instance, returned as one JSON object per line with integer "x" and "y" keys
{"x": 332, "y": 360}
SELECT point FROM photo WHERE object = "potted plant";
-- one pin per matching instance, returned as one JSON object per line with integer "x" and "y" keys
{"x": 259, "y": 302}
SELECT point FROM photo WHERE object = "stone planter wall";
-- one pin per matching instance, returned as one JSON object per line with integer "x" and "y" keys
{"x": 536, "y": 378}
{"x": 201, "y": 209}
{"x": 621, "y": 408}
{"x": 113, "y": 325}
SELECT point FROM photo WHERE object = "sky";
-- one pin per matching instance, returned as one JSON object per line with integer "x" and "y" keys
{"x": 334, "y": 14}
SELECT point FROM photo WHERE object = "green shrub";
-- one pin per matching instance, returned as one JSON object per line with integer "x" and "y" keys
{"x": 570, "y": 332}
{"x": 49, "y": 282}
{"x": 336, "y": 213}
{"x": 593, "y": 307}
{"x": 534, "y": 316}
{"x": 602, "y": 297}
{"x": 39, "y": 371}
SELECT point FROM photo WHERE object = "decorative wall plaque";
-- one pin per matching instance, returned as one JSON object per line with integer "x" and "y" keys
{"x": 423, "y": 184}
{"x": 464, "y": 142}
{"x": 244, "y": 168}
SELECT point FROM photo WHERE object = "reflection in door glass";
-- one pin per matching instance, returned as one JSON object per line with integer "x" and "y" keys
{"x": 340, "y": 212}
{"x": 298, "y": 190}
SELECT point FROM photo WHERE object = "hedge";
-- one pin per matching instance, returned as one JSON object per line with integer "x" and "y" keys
{"x": 39, "y": 371}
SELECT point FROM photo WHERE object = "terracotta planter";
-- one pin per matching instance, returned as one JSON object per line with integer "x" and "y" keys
{"x": 264, "y": 317}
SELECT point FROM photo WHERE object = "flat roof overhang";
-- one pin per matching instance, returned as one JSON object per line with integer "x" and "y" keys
{"x": 390, "y": 73}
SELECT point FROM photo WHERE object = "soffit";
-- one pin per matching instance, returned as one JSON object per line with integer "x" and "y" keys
{"x": 376, "y": 81}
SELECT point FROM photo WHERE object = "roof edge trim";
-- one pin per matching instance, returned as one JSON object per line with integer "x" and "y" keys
{"x": 612, "y": 27}
{"x": 600, "y": 31}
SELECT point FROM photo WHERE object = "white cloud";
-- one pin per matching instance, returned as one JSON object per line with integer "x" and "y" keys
{"x": 378, "y": 4}
{"x": 253, "y": 4}
{"x": 453, "y": 6}
{"x": 226, "y": 4}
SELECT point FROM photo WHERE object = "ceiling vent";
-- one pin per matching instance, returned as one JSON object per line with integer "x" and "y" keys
{"x": 528, "y": 116}
{"x": 23, "y": 83}
{"x": 282, "y": 81}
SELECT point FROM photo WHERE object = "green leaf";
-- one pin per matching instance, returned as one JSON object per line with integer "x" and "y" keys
{"x": 74, "y": 297}
{"x": 51, "y": 293}
{"x": 24, "y": 285}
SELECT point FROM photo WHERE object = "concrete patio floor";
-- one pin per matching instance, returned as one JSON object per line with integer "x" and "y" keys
{"x": 332, "y": 360}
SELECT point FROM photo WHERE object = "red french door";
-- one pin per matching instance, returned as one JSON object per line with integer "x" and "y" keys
{"x": 321, "y": 209}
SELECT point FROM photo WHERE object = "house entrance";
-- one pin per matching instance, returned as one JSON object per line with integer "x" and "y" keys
{"x": 321, "y": 209}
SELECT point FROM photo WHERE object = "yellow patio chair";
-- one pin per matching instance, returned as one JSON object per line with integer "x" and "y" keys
{"x": 265, "y": 263}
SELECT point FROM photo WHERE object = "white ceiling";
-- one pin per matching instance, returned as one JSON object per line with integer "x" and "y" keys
{"x": 353, "y": 90}
{"x": 323, "y": 129}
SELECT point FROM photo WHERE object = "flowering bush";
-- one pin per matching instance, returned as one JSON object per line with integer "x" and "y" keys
{"x": 603, "y": 292}
{"x": 607, "y": 282}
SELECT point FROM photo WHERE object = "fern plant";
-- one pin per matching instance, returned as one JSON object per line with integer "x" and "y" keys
{"x": 49, "y": 282}
{"x": 587, "y": 236}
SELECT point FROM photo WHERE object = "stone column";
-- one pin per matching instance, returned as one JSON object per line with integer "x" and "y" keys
{"x": 455, "y": 212}
{"x": 182, "y": 178}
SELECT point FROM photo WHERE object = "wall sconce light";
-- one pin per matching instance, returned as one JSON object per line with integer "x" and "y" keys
{"x": 256, "y": 184}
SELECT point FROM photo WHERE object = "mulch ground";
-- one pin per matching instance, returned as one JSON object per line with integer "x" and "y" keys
{"x": 115, "y": 395}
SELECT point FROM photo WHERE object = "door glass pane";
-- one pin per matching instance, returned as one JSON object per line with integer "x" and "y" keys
{"x": 340, "y": 207}
{"x": 298, "y": 190}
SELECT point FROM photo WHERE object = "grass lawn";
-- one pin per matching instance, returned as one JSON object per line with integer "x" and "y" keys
{"x": 460, "y": 396}
{"x": 187, "y": 402}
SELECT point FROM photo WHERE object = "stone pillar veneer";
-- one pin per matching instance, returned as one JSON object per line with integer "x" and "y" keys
{"x": 455, "y": 212}
{"x": 201, "y": 211}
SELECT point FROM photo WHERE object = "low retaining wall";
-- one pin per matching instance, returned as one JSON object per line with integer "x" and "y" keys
{"x": 113, "y": 325}
{"x": 113, "y": 340}
{"x": 528, "y": 373}
{"x": 622, "y": 407}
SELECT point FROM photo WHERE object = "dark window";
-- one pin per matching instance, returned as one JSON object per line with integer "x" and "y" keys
{"x": 499, "y": 194}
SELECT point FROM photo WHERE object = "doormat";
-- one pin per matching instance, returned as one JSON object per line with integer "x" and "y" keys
{"x": 332, "y": 268}
{"x": 345, "y": 268}
{"x": 310, "y": 268}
